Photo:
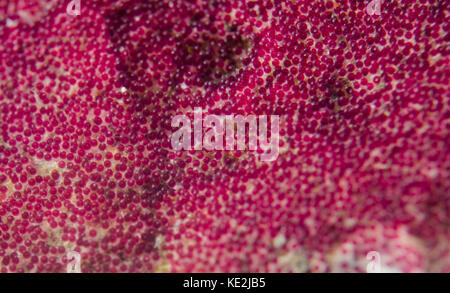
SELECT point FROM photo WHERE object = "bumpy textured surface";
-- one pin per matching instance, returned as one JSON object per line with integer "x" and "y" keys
{"x": 86, "y": 162}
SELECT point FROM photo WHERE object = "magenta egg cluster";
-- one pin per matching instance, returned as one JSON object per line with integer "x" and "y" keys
{"x": 86, "y": 164}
